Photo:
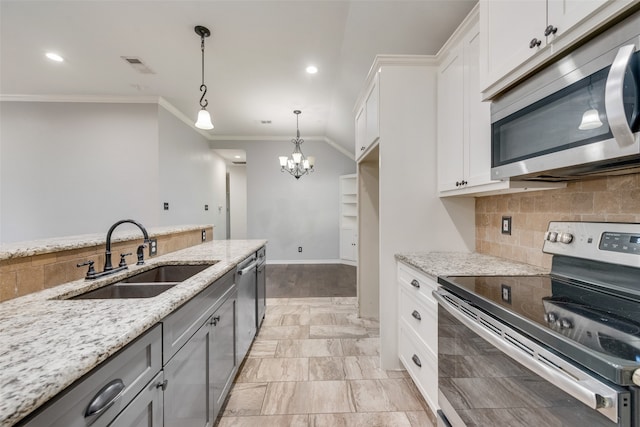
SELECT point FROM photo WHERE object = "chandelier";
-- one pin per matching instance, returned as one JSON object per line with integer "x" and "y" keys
{"x": 297, "y": 165}
{"x": 204, "y": 118}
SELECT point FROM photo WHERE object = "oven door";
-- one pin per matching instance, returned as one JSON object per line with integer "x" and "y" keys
{"x": 489, "y": 374}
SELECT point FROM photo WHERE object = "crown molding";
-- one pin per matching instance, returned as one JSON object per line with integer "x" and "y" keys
{"x": 82, "y": 98}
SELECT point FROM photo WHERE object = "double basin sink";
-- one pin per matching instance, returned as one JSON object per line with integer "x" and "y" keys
{"x": 146, "y": 284}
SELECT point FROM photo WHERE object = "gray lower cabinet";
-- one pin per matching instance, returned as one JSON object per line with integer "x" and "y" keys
{"x": 146, "y": 410}
{"x": 223, "y": 351}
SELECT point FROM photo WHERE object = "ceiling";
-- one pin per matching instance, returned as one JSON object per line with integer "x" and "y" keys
{"x": 255, "y": 59}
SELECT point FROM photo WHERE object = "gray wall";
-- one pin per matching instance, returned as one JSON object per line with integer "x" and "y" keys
{"x": 76, "y": 168}
{"x": 289, "y": 212}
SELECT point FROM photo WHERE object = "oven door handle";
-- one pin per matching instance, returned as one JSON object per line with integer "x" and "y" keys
{"x": 614, "y": 97}
{"x": 557, "y": 371}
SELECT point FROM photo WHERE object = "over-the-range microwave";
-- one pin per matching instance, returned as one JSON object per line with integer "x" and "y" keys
{"x": 577, "y": 117}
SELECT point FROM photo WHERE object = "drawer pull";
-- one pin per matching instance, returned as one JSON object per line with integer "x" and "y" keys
{"x": 215, "y": 320}
{"x": 416, "y": 360}
{"x": 163, "y": 385}
{"x": 416, "y": 315}
{"x": 415, "y": 283}
{"x": 103, "y": 400}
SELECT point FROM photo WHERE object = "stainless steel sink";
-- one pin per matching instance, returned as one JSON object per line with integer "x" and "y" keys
{"x": 147, "y": 284}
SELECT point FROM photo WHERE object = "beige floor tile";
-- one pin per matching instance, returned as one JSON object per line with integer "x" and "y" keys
{"x": 274, "y": 369}
{"x": 326, "y": 368}
{"x": 344, "y": 300}
{"x": 384, "y": 395}
{"x": 398, "y": 374}
{"x": 265, "y": 421}
{"x": 337, "y": 331}
{"x": 420, "y": 419}
{"x": 312, "y": 397}
{"x": 277, "y": 301}
{"x": 362, "y": 419}
{"x": 263, "y": 348}
{"x": 287, "y": 320}
{"x": 335, "y": 319}
{"x": 331, "y": 308}
{"x": 283, "y": 332}
{"x": 280, "y": 310}
{"x": 309, "y": 348}
{"x": 245, "y": 399}
{"x": 311, "y": 301}
{"x": 363, "y": 368}
{"x": 361, "y": 347}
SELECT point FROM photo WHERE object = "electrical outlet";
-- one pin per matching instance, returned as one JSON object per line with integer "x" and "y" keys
{"x": 299, "y": 248}
{"x": 204, "y": 235}
{"x": 166, "y": 206}
{"x": 153, "y": 247}
{"x": 506, "y": 225}
{"x": 506, "y": 293}
{"x": 206, "y": 207}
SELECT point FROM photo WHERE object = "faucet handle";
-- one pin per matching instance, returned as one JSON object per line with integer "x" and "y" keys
{"x": 91, "y": 272}
{"x": 123, "y": 263}
{"x": 140, "y": 254}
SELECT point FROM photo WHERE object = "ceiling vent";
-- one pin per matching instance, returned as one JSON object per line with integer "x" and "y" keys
{"x": 138, "y": 65}
{"x": 239, "y": 163}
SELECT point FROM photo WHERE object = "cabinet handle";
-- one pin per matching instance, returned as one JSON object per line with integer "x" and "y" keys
{"x": 362, "y": 148}
{"x": 457, "y": 184}
{"x": 215, "y": 320}
{"x": 550, "y": 30}
{"x": 415, "y": 283}
{"x": 416, "y": 315}
{"x": 103, "y": 400}
{"x": 464, "y": 182}
{"x": 534, "y": 43}
{"x": 163, "y": 385}
{"x": 416, "y": 360}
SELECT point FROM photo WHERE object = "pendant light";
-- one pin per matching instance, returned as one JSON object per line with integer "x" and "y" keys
{"x": 297, "y": 165}
{"x": 204, "y": 118}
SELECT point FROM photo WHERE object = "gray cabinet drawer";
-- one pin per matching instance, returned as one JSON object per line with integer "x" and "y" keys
{"x": 180, "y": 325}
{"x": 146, "y": 408}
{"x": 134, "y": 366}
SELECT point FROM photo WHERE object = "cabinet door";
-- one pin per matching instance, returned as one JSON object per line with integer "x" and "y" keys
{"x": 450, "y": 121}
{"x": 348, "y": 244}
{"x": 478, "y": 116}
{"x": 146, "y": 409}
{"x": 361, "y": 130}
{"x": 507, "y": 28}
{"x": 372, "y": 111}
{"x": 564, "y": 14}
{"x": 187, "y": 398}
{"x": 223, "y": 352}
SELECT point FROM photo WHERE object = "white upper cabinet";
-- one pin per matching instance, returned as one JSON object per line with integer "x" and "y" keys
{"x": 519, "y": 36}
{"x": 367, "y": 120}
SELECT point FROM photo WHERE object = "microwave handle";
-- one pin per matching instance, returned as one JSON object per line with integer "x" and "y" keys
{"x": 613, "y": 97}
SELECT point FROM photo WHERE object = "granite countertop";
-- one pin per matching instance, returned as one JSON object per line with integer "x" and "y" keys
{"x": 49, "y": 342}
{"x": 45, "y": 246}
{"x": 467, "y": 264}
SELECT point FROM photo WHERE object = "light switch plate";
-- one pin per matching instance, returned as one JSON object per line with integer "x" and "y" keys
{"x": 204, "y": 235}
{"x": 153, "y": 247}
{"x": 506, "y": 225}
{"x": 506, "y": 293}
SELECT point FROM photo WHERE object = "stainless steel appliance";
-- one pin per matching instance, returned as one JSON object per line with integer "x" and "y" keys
{"x": 560, "y": 349}
{"x": 246, "y": 284}
{"x": 579, "y": 116}
{"x": 261, "y": 283}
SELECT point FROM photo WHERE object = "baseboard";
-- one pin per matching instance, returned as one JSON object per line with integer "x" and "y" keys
{"x": 305, "y": 261}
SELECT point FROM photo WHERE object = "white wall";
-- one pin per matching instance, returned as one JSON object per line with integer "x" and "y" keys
{"x": 191, "y": 176}
{"x": 289, "y": 212}
{"x": 238, "y": 200}
{"x": 75, "y": 168}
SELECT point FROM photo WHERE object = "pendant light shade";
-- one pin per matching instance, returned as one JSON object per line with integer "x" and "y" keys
{"x": 204, "y": 118}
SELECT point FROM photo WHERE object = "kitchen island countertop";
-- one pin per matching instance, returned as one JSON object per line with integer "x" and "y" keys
{"x": 466, "y": 264}
{"x": 48, "y": 342}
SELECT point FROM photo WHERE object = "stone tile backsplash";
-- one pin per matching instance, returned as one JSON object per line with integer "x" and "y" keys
{"x": 610, "y": 199}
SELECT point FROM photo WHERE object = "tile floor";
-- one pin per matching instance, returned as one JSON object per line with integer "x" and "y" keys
{"x": 315, "y": 363}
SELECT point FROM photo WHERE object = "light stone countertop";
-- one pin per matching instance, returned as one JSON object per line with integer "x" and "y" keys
{"x": 47, "y": 342}
{"x": 466, "y": 264}
{"x": 45, "y": 246}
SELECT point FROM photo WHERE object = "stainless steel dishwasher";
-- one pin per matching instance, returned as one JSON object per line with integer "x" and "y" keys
{"x": 246, "y": 284}
{"x": 261, "y": 284}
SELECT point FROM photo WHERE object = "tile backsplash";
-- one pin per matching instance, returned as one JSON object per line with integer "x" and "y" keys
{"x": 611, "y": 199}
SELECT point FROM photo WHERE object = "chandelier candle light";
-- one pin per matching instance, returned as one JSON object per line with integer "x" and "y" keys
{"x": 204, "y": 119}
{"x": 297, "y": 165}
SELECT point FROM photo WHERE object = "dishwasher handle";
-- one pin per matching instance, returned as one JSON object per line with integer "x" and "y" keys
{"x": 103, "y": 400}
{"x": 248, "y": 268}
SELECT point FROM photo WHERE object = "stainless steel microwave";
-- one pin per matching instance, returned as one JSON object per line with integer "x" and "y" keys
{"x": 577, "y": 117}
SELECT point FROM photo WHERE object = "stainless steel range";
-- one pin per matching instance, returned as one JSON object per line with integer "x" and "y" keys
{"x": 561, "y": 349}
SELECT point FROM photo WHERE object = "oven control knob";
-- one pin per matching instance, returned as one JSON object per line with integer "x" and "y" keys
{"x": 565, "y": 238}
{"x": 552, "y": 236}
{"x": 636, "y": 377}
{"x": 550, "y": 317}
{"x": 565, "y": 324}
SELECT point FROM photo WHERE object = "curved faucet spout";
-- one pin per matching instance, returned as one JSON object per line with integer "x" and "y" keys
{"x": 107, "y": 254}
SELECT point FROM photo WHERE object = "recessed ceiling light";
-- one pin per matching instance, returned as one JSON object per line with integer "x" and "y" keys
{"x": 265, "y": 122}
{"x": 237, "y": 157}
{"x": 312, "y": 69}
{"x": 54, "y": 57}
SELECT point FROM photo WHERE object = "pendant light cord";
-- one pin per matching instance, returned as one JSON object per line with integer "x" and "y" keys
{"x": 203, "y": 87}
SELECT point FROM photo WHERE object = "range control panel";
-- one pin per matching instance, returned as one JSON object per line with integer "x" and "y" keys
{"x": 613, "y": 242}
